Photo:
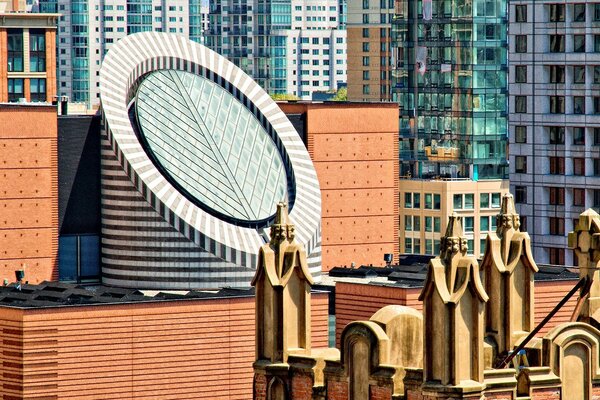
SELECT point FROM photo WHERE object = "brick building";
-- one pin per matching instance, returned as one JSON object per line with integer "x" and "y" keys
{"x": 354, "y": 148}
{"x": 29, "y": 192}
{"x": 61, "y": 341}
{"x": 28, "y": 43}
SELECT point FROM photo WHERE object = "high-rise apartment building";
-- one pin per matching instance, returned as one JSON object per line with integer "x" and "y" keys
{"x": 370, "y": 59}
{"x": 554, "y": 118}
{"x": 449, "y": 79}
{"x": 87, "y": 30}
{"x": 294, "y": 48}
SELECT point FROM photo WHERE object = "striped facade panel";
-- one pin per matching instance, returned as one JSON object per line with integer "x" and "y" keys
{"x": 180, "y": 350}
{"x": 225, "y": 252}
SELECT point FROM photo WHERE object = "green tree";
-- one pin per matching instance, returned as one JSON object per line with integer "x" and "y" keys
{"x": 283, "y": 96}
{"x": 341, "y": 95}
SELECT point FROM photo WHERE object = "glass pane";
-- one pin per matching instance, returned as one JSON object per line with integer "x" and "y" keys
{"x": 67, "y": 258}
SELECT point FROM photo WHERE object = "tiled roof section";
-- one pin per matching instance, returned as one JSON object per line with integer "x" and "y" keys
{"x": 58, "y": 294}
{"x": 412, "y": 271}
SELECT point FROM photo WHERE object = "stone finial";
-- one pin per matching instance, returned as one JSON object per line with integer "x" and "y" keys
{"x": 585, "y": 240}
{"x": 283, "y": 283}
{"x": 509, "y": 268}
{"x": 453, "y": 300}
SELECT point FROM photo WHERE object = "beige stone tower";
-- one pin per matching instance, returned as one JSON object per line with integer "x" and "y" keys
{"x": 453, "y": 305}
{"x": 585, "y": 240}
{"x": 282, "y": 284}
{"x": 509, "y": 268}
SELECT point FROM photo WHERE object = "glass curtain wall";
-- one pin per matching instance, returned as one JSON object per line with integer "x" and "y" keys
{"x": 450, "y": 80}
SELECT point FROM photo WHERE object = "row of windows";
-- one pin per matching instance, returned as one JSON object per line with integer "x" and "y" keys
{"x": 382, "y": 4}
{"x": 413, "y": 223}
{"x": 432, "y": 246}
{"x": 383, "y": 32}
{"x": 16, "y": 89}
{"x": 316, "y": 8}
{"x": 557, "y": 166}
{"x": 413, "y": 200}
{"x": 37, "y": 50}
{"x": 557, "y": 105}
{"x": 556, "y": 73}
{"x": 557, "y": 43}
{"x": 557, "y": 135}
{"x": 556, "y": 12}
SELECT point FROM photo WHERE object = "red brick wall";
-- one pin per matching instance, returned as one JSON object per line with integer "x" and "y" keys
{"x": 302, "y": 387}
{"x": 380, "y": 393}
{"x": 547, "y": 295}
{"x": 499, "y": 396}
{"x": 196, "y": 349}
{"x": 337, "y": 390}
{"x": 546, "y": 394}
{"x": 354, "y": 148}
{"x": 260, "y": 387}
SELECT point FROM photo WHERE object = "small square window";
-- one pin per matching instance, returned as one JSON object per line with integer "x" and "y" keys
{"x": 520, "y": 13}
{"x": 521, "y": 104}
{"x": 521, "y": 164}
{"x": 578, "y": 105}
{"x": 579, "y": 74}
{"x": 578, "y": 197}
{"x": 579, "y": 12}
{"x": 484, "y": 200}
{"x": 557, "y": 74}
{"x": 520, "y": 194}
{"x": 520, "y": 43}
{"x": 579, "y": 135}
{"x": 579, "y": 166}
{"x": 579, "y": 43}
{"x": 557, "y": 43}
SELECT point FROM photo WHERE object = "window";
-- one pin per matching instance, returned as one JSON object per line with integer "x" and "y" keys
{"x": 557, "y": 104}
{"x": 579, "y": 43}
{"x": 365, "y": 4}
{"x": 365, "y": 61}
{"x": 428, "y": 246}
{"x": 470, "y": 246}
{"x": 579, "y": 74}
{"x": 579, "y": 196}
{"x": 417, "y": 246}
{"x": 37, "y": 88}
{"x": 557, "y": 135}
{"x": 468, "y": 224}
{"x": 596, "y": 43}
{"x": 428, "y": 224}
{"x": 458, "y": 201}
{"x": 408, "y": 223}
{"x": 596, "y": 199}
{"x": 366, "y": 75}
{"x": 365, "y": 18}
{"x": 596, "y": 167}
{"x": 556, "y": 256}
{"x": 596, "y": 78}
{"x": 15, "y": 89}
{"x": 437, "y": 201}
{"x": 436, "y": 224}
{"x": 520, "y": 194}
{"x": 484, "y": 224}
{"x": 365, "y": 32}
{"x": 557, "y": 196}
{"x": 578, "y": 105}
{"x": 407, "y": 200}
{"x": 520, "y": 104}
{"x": 596, "y": 103}
{"x": 557, "y": 74}
{"x": 416, "y": 223}
{"x": 520, "y": 13}
{"x": 482, "y": 244}
{"x": 596, "y": 11}
{"x": 579, "y": 135}
{"x": 495, "y": 200}
{"x": 366, "y": 89}
{"x": 557, "y": 165}
{"x": 557, "y": 12}
{"x": 579, "y": 166}
{"x": 37, "y": 50}
{"x": 520, "y": 134}
{"x": 484, "y": 200}
{"x": 408, "y": 245}
{"x": 417, "y": 200}
{"x": 557, "y": 226}
{"x": 365, "y": 46}
{"x": 520, "y": 43}
{"x": 579, "y": 12}
{"x": 15, "y": 50}
{"x": 521, "y": 73}
{"x": 469, "y": 201}
{"x": 557, "y": 43}
{"x": 428, "y": 201}
{"x": 521, "y": 164}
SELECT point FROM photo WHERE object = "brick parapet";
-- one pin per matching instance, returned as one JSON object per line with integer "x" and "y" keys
{"x": 546, "y": 394}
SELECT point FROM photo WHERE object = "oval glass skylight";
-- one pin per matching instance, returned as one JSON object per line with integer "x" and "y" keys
{"x": 210, "y": 145}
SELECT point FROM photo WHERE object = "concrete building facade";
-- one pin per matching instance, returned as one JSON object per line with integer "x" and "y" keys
{"x": 554, "y": 118}
{"x": 294, "y": 48}
{"x": 354, "y": 148}
{"x": 190, "y": 210}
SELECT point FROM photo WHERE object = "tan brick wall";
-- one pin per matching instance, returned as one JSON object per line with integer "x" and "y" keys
{"x": 28, "y": 193}
{"x": 354, "y": 148}
{"x": 197, "y": 349}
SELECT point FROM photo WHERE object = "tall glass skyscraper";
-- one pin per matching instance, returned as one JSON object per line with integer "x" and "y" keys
{"x": 450, "y": 81}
